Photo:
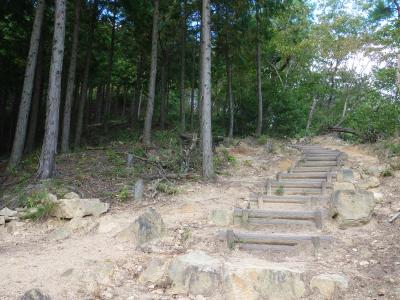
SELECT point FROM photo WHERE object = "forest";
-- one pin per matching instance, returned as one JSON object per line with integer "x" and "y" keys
{"x": 75, "y": 74}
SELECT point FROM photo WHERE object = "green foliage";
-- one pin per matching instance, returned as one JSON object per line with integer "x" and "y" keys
{"x": 279, "y": 191}
{"x": 39, "y": 205}
{"x": 124, "y": 194}
{"x": 387, "y": 173}
{"x": 167, "y": 188}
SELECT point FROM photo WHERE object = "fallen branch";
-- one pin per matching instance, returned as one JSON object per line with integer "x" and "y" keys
{"x": 341, "y": 129}
{"x": 394, "y": 217}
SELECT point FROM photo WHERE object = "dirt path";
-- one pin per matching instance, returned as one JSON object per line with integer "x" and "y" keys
{"x": 93, "y": 264}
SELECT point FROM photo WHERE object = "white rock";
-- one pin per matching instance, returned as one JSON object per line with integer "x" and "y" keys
{"x": 369, "y": 183}
{"x": 329, "y": 285}
{"x": 2, "y": 220}
{"x": 221, "y": 217}
{"x": 58, "y": 234}
{"x": 378, "y": 196}
{"x": 73, "y": 208}
{"x": 343, "y": 186}
{"x": 352, "y": 208}
{"x": 6, "y": 212}
{"x": 364, "y": 263}
{"x": 112, "y": 225}
{"x": 196, "y": 273}
{"x": 71, "y": 195}
{"x": 156, "y": 272}
{"x": 145, "y": 228}
{"x": 254, "y": 279}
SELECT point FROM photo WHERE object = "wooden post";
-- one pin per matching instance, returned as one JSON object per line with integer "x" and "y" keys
{"x": 230, "y": 239}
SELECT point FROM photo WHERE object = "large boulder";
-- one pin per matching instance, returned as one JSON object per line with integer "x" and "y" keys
{"x": 77, "y": 208}
{"x": 145, "y": 228}
{"x": 254, "y": 279}
{"x": 196, "y": 273}
{"x": 329, "y": 285}
{"x": 8, "y": 214}
{"x": 352, "y": 208}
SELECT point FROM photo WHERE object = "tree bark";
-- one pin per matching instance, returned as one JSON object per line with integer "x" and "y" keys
{"x": 398, "y": 72}
{"x": 183, "y": 59}
{"x": 163, "y": 91}
{"x": 230, "y": 96}
{"x": 71, "y": 80}
{"x": 37, "y": 96}
{"x": 192, "y": 89}
{"x": 311, "y": 113}
{"x": 20, "y": 132}
{"x": 259, "y": 84}
{"x": 153, "y": 73}
{"x": 205, "y": 91}
{"x": 109, "y": 72}
{"x": 83, "y": 94}
{"x": 136, "y": 93}
{"x": 49, "y": 148}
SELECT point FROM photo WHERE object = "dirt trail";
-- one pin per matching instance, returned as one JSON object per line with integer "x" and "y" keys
{"x": 93, "y": 265}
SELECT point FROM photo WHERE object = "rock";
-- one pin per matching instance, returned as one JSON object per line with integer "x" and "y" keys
{"x": 51, "y": 197}
{"x": 59, "y": 234}
{"x": 369, "y": 183}
{"x": 8, "y": 213}
{"x": 112, "y": 225}
{"x": 375, "y": 170}
{"x": 221, "y": 217}
{"x": 329, "y": 285}
{"x": 343, "y": 186}
{"x": 83, "y": 225}
{"x": 13, "y": 227}
{"x": 145, "y": 228}
{"x": 73, "y": 208}
{"x": 352, "y": 208}
{"x": 138, "y": 190}
{"x": 345, "y": 175}
{"x": 35, "y": 294}
{"x": 378, "y": 196}
{"x": 254, "y": 279}
{"x": 196, "y": 273}
{"x": 71, "y": 195}
{"x": 155, "y": 273}
{"x": 2, "y": 220}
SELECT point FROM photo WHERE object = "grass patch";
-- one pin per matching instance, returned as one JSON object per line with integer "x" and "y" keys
{"x": 167, "y": 188}
{"x": 387, "y": 173}
{"x": 279, "y": 191}
{"x": 39, "y": 205}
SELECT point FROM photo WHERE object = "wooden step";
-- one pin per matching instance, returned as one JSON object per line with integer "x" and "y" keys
{"x": 297, "y": 191}
{"x": 305, "y": 175}
{"x": 276, "y": 217}
{"x": 321, "y": 158}
{"x": 234, "y": 238}
{"x": 293, "y": 199}
{"x": 319, "y": 163}
{"x": 298, "y": 183}
{"x": 302, "y": 169}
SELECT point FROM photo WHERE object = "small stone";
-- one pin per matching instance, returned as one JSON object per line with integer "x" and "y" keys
{"x": 369, "y": 183}
{"x": 2, "y": 220}
{"x": 221, "y": 217}
{"x": 72, "y": 208}
{"x": 155, "y": 273}
{"x": 381, "y": 293}
{"x": 345, "y": 186}
{"x": 364, "y": 263}
{"x": 34, "y": 294}
{"x": 71, "y": 195}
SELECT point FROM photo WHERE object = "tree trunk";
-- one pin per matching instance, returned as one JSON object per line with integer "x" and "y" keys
{"x": 398, "y": 72}
{"x": 192, "y": 89}
{"x": 71, "y": 80}
{"x": 20, "y": 132}
{"x": 230, "y": 96}
{"x": 83, "y": 94}
{"x": 163, "y": 91}
{"x": 49, "y": 148}
{"x": 182, "y": 79}
{"x": 99, "y": 102}
{"x": 37, "y": 96}
{"x": 153, "y": 73}
{"x": 205, "y": 91}
{"x": 109, "y": 72}
{"x": 136, "y": 93}
{"x": 259, "y": 85}
{"x": 311, "y": 113}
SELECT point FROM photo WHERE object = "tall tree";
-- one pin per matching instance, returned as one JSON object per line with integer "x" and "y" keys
{"x": 85, "y": 82}
{"x": 182, "y": 106}
{"x": 205, "y": 91}
{"x": 20, "y": 132}
{"x": 153, "y": 74}
{"x": 71, "y": 80}
{"x": 49, "y": 148}
{"x": 259, "y": 82}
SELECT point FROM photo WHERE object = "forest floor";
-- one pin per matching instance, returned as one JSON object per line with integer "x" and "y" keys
{"x": 92, "y": 264}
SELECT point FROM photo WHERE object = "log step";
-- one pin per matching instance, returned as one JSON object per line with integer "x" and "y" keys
{"x": 311, "y": 200}
{"x": 321, "y": 158}
{"x": 295, "y": 191}
{"x": 305, "y": 175}
{"x": 312, "y": 169}
{"x": 319, "y": 163}
{"x": 297, "y": 183}
{"x": 276, "y": 217}
{"x": 233, "y": 238}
